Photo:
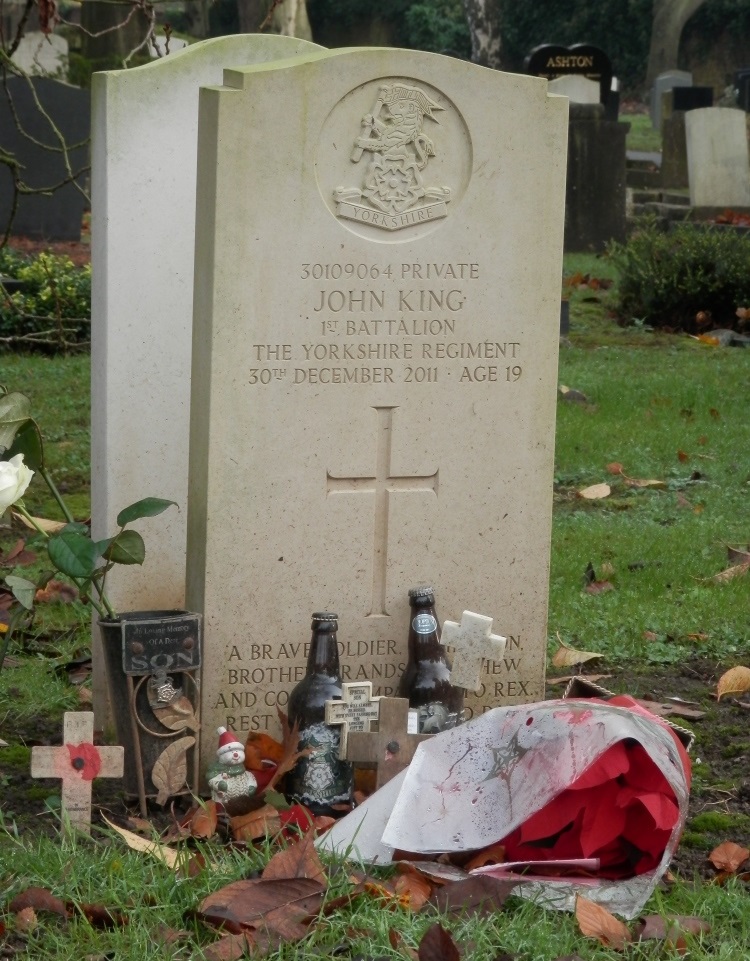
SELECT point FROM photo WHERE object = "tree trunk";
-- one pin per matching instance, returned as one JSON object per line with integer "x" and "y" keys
{"x": 669, "y": 18}
{"x": 111, "y": 31}
{"x": 484, "y": 26}
{"x": 289, "y": 17}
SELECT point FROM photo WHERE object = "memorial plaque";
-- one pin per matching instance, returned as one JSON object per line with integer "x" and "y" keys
{"x": 376, "y": 324}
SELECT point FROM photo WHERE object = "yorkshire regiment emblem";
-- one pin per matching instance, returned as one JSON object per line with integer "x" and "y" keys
{"x": 393, "y": 193}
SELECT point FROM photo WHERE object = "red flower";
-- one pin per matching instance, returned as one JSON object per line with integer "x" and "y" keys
{"x": 85, "y": 759}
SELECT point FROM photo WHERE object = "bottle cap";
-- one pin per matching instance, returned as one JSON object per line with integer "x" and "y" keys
{"x": 425, "y": 590}
{"x": 324, "y": 616}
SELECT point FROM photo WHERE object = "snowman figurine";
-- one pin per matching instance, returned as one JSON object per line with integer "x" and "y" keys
{"x": 231, "y": 785}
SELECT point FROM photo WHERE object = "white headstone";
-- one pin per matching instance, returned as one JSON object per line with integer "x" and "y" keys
{"x": 577, "y": 88}
{"x": 377, "y": 308}
{"x": 160, "y": 47}
{"x": 145, "y": 132}
{"x": 664, "y": 82}
{"x": 42, "y": 55}
{"x": 717, "y": 156}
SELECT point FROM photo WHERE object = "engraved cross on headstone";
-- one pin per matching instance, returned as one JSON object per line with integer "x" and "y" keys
{"x": 354, "y": 712}
{"x": 382, "y": 485}
{"x": 391, "y": 748}
{"x": 472, "y": 640}
{"x": 77, "y": 763}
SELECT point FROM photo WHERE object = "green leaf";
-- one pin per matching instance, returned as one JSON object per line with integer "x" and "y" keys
{"x": 15, "y": 410}
{"x": 73, "y": 553}
{"x": 23, "y": 590}
{"x": 76, "y": 527}
{"x": 28, "y": 441}
{"x": 148, "y": 507}
{"x": 126, "y": 548}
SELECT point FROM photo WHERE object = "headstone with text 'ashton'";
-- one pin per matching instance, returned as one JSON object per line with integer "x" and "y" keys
{"x": 552, "y": 61}
{"x": 145, "y": 133}
{"x": 374, "y": 367}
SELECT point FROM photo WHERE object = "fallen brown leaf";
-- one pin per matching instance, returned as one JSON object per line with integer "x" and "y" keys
{"x": 478, "y": 894}
{"x": 734, "y": 681}
{"x": 494, "y": 854}
{"x": 634, "y": 482}
{"x": 614, "y": 468}
{"x": 18, "y": 556}
{"x": 437, "y": 944}
{"x": 670, "y": 929}
{"x": 566, "y": 656}
{"x": 203, "y": 823}
{"x": 595, "y": 492}
{"x": 729, "y": 856}
{"x": 597, "y": 922}
{"x": 599, "y": 587}
{"x": 299, "y": 860}
{"x": 26, "y": 921}
{"x": 279, "y": 904}
{"x": 397, "y": 942}
{"x": 56, "y": 592}
{"x": 256, "y": 824}
{"x": 40, "y": 899}
{"x": 413, "y": 891}
{"x": 737, "y": 555}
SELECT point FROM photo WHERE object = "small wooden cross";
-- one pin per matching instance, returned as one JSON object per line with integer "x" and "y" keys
{"x": 354, "y": 711}
{"x": 77, "y": 763}
{"x": 472, "y": 641}
{"x": 390, "y": 748}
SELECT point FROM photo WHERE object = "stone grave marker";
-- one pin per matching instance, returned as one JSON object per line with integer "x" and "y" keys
{"x": 674, "y": 172}
{"x": 596, "y": 181}
{"x": 374, "y": 373}
{"x": 582, "y": 59}
{"x": 664, "y": 83}
{"x": 37, "y": 146}
{"x": 77, "y": 762}
{"x": 577, "y": 88}
{"x": 355, "y": 711}
{"x": 717, "y": 156}
{"x": 144, "y": 144}
{"x": 42, "y": 55}
{"x": 473, "y": 642}
{"x": 692, "y": 98}
{"x": 390, "y": 748}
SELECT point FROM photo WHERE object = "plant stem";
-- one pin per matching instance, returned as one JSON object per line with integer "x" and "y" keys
{"x": 57, "y": 495}
{"x": 101, "y": 611}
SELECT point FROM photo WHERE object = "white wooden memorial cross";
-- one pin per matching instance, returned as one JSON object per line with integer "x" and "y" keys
{"x": 354, "y": 712}
{"x": 391, "y": 747}
{"x": 77, "y": 762}
{"x": 472, "y": 640}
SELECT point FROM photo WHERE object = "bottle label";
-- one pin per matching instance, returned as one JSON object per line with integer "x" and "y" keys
{"x": 321, "y": 778}
{"x": 412, "y": 723}
{"x": 435, "y": 717}
{"x": 424, "y": 624}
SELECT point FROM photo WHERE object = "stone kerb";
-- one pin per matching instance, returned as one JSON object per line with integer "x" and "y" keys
{"x": 145, "y": 128}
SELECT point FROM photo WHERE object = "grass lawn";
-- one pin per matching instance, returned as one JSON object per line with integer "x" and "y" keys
{"x": 667, "y": 410}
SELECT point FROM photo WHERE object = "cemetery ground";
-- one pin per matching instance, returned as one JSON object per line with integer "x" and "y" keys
{"x": 640, "y": 574}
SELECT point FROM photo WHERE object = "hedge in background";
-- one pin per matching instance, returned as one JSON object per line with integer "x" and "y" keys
{"x": 52, "y": 311}
{"x": 667, "y": 279}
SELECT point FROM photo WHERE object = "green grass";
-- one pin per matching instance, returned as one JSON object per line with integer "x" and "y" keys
{"x": 641, "y": 135}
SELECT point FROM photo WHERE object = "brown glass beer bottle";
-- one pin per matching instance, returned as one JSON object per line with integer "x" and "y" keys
{"x": 427, "y": 678}
{"x": 319, "y": 780}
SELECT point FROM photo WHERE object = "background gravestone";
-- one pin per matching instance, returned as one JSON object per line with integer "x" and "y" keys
{"x": 692, "y": 98}
{"x": 143, "y": 227}
{"x": 40, "y": 54}
{"x": 374, "y": 375}
{"x": 674, "y": 170}
{"x": 576, "y": 88}
{"x": 551, "y": 61}
{"x": 596, "y": 182}
{"x": 36, "y": 144}
{"x": 663, "y": 84}
{"x": 717, "y": 156}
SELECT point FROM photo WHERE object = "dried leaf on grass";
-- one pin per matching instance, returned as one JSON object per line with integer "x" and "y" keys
{"x": 566, "y": 656}
{"x": 39, "y": 899}
{"x": 567, "y": 393}
{"x": 281, "y": 904}
{"x": 56, "y": 592}
{"x": 169, "y": 772}
{"x": 723, "y": 577}
{"x": 398, "y": 944}
{"x": 670, "y": 930}
{"x": 160, "y": 851}
{"x": 735, "y": 681}
{"x": 729, "y": 856}
{"x": 26, "y": 921}
{"x": 256, "y": 824}
{"x": 18, "y": 556}
{"x": 298, "y": 860}
{"x": 595, "y": 492}
{"x": 204, "y": 820}
{"x": 437, "y": 944}
{"x": 596, "y": 922}
{"x": 738, "y": 555}
{"x": 49, "y": 527}
{"x": 479, "y": 894}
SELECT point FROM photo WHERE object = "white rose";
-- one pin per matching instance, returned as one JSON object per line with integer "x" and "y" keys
{"x": 14, "y": 479}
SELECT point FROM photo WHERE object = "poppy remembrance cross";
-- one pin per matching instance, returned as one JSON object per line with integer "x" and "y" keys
{"x": 77, "y": 762}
